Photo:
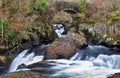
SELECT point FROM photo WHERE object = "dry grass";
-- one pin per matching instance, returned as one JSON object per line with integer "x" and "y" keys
{"x": 106, "y": 5}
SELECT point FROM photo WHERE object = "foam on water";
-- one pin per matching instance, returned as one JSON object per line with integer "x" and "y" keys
{"x": 80, "y": 69}
{"x": 111, "y": 61}
{"x": 99, "y": 66}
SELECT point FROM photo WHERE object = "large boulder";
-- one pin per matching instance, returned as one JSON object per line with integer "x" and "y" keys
{"x": 61, "y": 48}
{"x": 101, "y": 33}
{"x": 22, "y": 74}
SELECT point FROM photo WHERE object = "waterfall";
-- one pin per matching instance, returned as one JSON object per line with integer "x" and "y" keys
{"x": 94, "y": 61}
{"x": 27, "y": 58}
{"x": 22, "y": 58}
{"x": 59, "y": 29}
{"x": 17, "y": 61}
{"x": 111, "y": 61}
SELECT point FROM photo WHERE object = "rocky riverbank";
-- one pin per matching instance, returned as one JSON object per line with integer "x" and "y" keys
{"x": 96, "y": 21}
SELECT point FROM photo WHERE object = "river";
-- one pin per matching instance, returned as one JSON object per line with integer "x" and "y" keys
{"x": 94, "y": 61}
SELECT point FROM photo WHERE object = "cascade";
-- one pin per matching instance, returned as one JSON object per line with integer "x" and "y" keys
{"x": 59, "y": 29}
{"x": 92, "y": 58}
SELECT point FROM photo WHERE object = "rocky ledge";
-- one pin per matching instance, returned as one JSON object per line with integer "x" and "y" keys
{"x": 22, "y": 74}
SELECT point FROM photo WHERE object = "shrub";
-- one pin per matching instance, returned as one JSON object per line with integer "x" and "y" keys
{"x": 10, "y": 33}
{"x": 38, "y": 5}
{"x": 115, "y": 5}
{"x": 110, "y": 22}
{"x": 4, "y": 29}
{"x": 82, "y": 6}
{"x": 3, "y": 23}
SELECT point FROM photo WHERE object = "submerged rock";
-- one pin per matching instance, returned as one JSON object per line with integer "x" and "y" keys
{"x": 22, "y": 74}
{"x": 61, "y": 48}
{"x": 116, "y": 75}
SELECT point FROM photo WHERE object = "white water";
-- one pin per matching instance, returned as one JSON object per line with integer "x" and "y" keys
{"x": 59, "y": 29}
{"x": 22, "y": 58}
{"x": 80, "y": 69}
{"x": 17, "y": 61}
{"x": 100, "y": 66}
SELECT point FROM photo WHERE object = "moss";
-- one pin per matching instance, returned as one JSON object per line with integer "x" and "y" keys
{"x": 90, "y": 21}
{"x": 82, "y": 6}
{"x": 114, "y": 42}
{"x": 10, "y": 33}
{"x": 25, "y": 37}
{"x": 3, "y": 23}
{"x": 114, "y": 15}
{"x": 110, "y": 22}
{"x": 45, "y": 30}
{"x": 38, "y": 5}
{"x": 115, "y": 5}
{"x": 116, "y": 18}
{"x": 3, "y": 59}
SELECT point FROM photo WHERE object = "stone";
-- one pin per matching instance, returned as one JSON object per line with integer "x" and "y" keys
{"x": 22, "y": 74}
{"x": 100, "y": 33}
{"x": 61, "y": 48}
{"x": 64, "y": 18}
{"x": 116, "y": 75}
{"x": 3, "y": 58}
{"x": 91, "y": 9}
{"x": 78, "y": 37}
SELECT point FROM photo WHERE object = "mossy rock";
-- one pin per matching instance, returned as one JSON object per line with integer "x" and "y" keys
{"x": 2, "y": 58}
{"x": 63, "y": 17}
{"x": 115, "y": 18}
{"x": 114, "y": 42}
{"x": 114, "y": 15}
{"x": 78, "y": 37}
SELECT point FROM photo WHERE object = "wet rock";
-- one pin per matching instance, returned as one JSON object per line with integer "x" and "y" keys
{"x": 61, "y": 48}
{"x": 42, "y": 64}
{"x": 34, "y": 39}
{"x": 42, "y": 67}
{"x": 22, "y": 74}
{"x": 78, "y": 37}
{"x": 3, "y": 58}
{"x": 116, "y": 75}
{"x": 39, "y": 67}
{"x": 4, "y": 63}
